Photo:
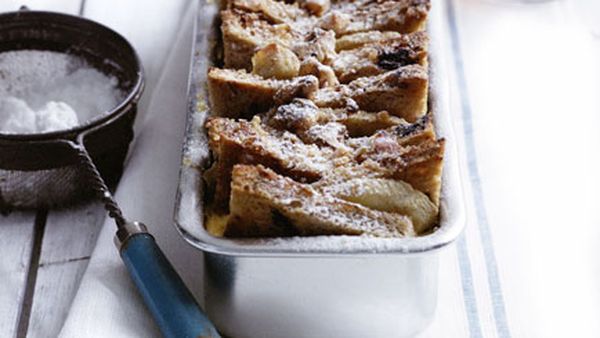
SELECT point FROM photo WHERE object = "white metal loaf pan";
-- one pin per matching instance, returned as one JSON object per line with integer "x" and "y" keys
{"x": 324, "y": 286}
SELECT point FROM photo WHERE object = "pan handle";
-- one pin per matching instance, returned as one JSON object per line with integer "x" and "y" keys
{"x": 166, "y": 296}
{"x": 172, "y": 305}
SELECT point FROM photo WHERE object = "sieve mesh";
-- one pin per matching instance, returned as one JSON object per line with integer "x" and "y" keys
{"x": 42, "y": 188}
{"x": 39, "y": 170}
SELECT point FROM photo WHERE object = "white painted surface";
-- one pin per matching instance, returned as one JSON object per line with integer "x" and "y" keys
{"x": 64, "y": 6}
{"x": 56, "y": 285}
{"x": 69, "y": 238}
{"x": 16, "y": 234}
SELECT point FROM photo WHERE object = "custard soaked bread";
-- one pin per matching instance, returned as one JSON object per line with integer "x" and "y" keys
{"x": 401, "y": 92}
{"x": 302, "y": 116}
{"x": 405, "y": 152}
{"x": 381, "y": 56}
{"x": 236, "y": 93}
{"x": 321, "y": 123}
{"x": 350, "y": 17}
{"x": 248, "y": 142}
{"x": 265, "y": 204}
{"x": 310, "y": 28}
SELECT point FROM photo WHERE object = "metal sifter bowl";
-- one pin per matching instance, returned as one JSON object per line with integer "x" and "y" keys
{"x": 42, "y": 170}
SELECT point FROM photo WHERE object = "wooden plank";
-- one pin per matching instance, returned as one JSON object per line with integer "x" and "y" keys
{"x": 16, "y": 238}
{"x": 69, "y": 239}
{"x": 71, "y": 233}
{"x": 65, "y": 6}
{"x": 57, "y": 285}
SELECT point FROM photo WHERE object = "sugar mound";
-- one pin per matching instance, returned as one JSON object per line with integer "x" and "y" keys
{"x": 17, "y": 117}
{"x": 56, "y": 116}
{"x": 59, "y": 90}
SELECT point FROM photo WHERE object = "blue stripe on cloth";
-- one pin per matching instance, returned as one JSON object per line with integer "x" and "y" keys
{"x": 466, "y": 276}
{"x": 482, "y": 219}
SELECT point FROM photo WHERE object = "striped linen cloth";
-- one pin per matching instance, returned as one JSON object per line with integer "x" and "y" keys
{"x": 524, "y": 96}
{"x": 527, "y": 263}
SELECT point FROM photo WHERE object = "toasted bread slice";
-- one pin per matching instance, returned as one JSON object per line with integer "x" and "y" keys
{"x": 401, "y": 92}
{"x": 380, "y": 57}
{"x": 309, "y": 123}
{"x": 316, "y": 43}
{"x": 300, "y": 115}
{"x": 406, "y": 134}
{"x": 419, "y": 165}
{"x": 357, "y": 40}
{"x": 388, "y": 195}
{"x": 362, "y": 123}
{"x": 245, "y": 32}
{"x": 315, "y": 7}
{"x": 404, "y": 16}
{"x": 406, "y": 152}
{"x": 236, "y": 93}
{"x": 265, "y": 204}
{"x": 273, "y": 11}
{"x": 249, "y": 142}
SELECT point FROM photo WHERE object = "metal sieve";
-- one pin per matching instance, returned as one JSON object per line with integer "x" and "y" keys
{"x": 40, "y": 170}
{"x": 56, "y": 168}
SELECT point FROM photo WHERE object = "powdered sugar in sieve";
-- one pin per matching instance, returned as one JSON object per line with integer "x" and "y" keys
{"x": 43, "y": 91}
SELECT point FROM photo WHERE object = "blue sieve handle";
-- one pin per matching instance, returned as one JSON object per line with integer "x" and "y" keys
{"x": 166, "y": 296}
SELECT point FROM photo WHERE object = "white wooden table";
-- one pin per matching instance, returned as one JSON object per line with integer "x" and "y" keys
{"x": 45, "y": 253}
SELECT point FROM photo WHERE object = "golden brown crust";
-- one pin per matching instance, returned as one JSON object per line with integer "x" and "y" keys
{"x": 273, "y": 11}
{"x": 337, "y": 96}
{"x": 419, "y": 165}
{"x": 300, "y": 115}
{"x": 244, "y": 33}
{"x": 236, "y": 93}
{"x": 356, "y": 40}
{"x": 401, "y": 152}
{"x": 401, "y": 92}
{"x": 404, "y": 16}
{"x": 388, "y": 195}
{"x": 379, "y": 57}
{"x": 265, "y": 204}
{"x": 243, "y": 142}
{"x": 363, "y": 123}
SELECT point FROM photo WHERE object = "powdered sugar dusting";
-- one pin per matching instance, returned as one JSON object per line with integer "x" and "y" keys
{"x": 60, "y": 89}
{"x": 191, "y": 215}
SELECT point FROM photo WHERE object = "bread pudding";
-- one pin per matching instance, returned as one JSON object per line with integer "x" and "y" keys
{"x": 320, "y": 121}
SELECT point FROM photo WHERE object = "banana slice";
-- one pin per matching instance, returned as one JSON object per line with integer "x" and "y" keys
{"x": 391, "y": 196}
{"x": 275, "y": 61}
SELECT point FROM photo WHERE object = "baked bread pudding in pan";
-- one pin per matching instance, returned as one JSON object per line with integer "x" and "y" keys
{"x": 320, "y": 122}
